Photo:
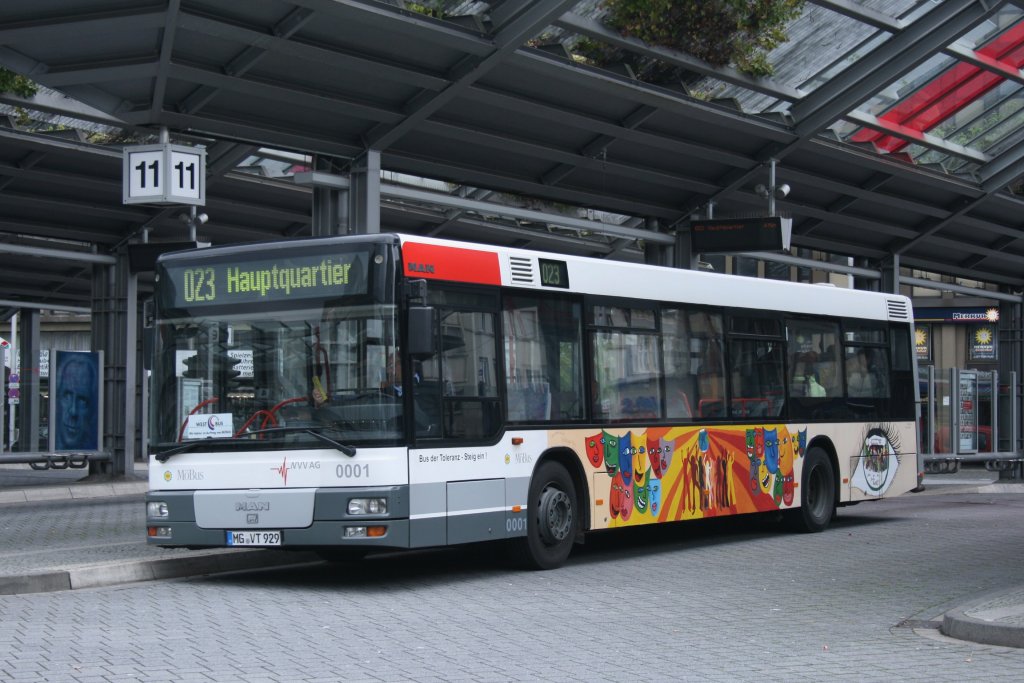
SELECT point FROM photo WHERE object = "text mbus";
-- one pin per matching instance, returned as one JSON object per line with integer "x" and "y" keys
{"x": 388, "y": 391}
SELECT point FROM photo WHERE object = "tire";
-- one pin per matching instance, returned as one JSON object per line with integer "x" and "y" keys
{"x": 817, "y": 494}
{"x": 552, "y": 519}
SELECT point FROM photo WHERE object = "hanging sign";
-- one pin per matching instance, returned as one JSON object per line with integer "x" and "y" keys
{"x": 741, "y": 234}
{"x": 164, "y": 174}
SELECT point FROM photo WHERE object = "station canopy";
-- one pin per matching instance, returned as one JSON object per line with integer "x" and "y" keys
{"x": 896, "y": 124}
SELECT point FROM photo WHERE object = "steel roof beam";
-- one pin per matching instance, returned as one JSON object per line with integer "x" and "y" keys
{"x": 251, "y": 131}
{"x": 603, "y": 127}
{"x": 917, "y": 137}
{"x": 55, "y": 103}
{"x": 49, "y": 306}
{"x": 999, "y": 245}
{"x": 432, "y": 168}
{"x": 508, "y": 144}
{"x": 469, "y": 70}
{"x": 863, "y": 14}
{"x": 406, "y": 193}
{"x": 891, "y": 60}
{"x": 1004, "y": 169}
{"x": 335, "y": 57}
{"x": 959, "y": 289}
{"x": 214, "y": 81}
{"x": 20, "y": 227}
{"x": 996, "y": 66}
{"x": 166, "y": 49}
{"x": 243, "y": 61}
{"x": 126, "y": 68}
{"x": 57, "y": 254}
{"x": 444, "y": 33}
{"x": 116, "y": 22}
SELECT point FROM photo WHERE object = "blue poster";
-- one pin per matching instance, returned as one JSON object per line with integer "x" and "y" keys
{"x": 75, "y": 401}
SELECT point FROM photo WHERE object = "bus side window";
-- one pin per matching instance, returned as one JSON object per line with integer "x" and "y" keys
{"x": 543, "y": 342}
{"x": 757, "y": 384}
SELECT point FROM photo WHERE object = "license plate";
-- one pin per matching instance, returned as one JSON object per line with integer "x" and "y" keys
{"x": 254, "y": 538}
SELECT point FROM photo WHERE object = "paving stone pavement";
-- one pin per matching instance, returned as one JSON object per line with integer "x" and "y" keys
{"x": 711, "y": 601}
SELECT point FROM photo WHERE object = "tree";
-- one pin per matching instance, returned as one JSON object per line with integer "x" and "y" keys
{"x": 721, "y": 32}
{"x": 16, "y": 83}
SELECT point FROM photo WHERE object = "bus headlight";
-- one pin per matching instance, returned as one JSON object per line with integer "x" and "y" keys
{"x": 367, "y": 506}
{"x": 156, "y": 508}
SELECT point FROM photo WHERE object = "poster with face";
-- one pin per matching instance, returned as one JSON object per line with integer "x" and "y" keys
{"x": 877, "y": 466}
{"x": 76, "y": 401}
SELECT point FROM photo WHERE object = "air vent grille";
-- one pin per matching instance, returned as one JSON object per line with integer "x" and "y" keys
{"x": 898, "y": 309}
{"x": 522, "y": 271}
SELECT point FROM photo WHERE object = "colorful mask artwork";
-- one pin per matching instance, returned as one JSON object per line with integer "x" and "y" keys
{"x": 663, "y": 474}
{"x": 673, "y": 473}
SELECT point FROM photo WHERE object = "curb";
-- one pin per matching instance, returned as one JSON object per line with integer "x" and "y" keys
{"x": 957, "y": 623}
{"x": 97, "y": 576}
{"x": 47, "y": 494}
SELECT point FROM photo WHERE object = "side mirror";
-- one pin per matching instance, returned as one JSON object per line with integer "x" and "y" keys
{"x": 422, "y": 338}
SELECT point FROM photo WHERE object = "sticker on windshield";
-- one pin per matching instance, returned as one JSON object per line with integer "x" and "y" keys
{"x": 215, "y": 426}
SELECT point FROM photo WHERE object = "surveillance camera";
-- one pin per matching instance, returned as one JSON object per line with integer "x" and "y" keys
{"x": 202, "y": 218}
{"x": 183, "y": 217}
{"x": 782, "y": 190}
{"x": 760, "y": 190}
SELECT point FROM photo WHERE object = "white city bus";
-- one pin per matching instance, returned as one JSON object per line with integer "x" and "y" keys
{"x": 362, "y": 393}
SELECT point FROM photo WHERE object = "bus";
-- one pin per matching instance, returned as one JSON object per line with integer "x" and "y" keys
{"x": 364, "y": 393}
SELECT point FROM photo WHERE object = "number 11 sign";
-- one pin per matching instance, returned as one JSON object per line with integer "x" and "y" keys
{"x": 164, "y": 174}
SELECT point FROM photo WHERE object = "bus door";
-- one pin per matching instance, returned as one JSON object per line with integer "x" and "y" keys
{"x": 456, "y": 395}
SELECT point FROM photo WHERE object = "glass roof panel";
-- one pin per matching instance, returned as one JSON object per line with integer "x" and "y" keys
{"x": 823, "y": 43}
{"x": 970, "y": 104}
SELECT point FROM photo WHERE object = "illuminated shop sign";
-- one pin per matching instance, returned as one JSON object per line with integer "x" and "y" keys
{"x": 977, "y": 314}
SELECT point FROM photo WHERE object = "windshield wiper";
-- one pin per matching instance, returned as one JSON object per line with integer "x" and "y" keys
{"x": 164, "y": 456}
{"x": 315, "y": 432}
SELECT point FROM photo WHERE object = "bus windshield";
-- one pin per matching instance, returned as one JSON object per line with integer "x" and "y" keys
{"x": 248, "y": 376}
{"x": 258, "y": 352}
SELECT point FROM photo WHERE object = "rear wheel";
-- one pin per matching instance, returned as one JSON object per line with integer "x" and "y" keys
{"x": 817, "y": 494}
{"x": 552, "y": 519}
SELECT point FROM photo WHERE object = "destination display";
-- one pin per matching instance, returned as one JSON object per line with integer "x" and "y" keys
{"x": 284, "y": 278}
{"x": 553, "y": 273}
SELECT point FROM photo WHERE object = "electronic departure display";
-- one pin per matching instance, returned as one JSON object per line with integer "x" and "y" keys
{"x": 553, "y": 273}
{"x": 283, "y": 278}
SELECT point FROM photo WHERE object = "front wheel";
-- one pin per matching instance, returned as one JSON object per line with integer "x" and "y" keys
{"x": 817, "y": 494}
{"x": 552, "y": 519}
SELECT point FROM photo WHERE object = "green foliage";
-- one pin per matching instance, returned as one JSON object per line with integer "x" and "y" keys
{"x": 16, "y": 83}
{"x": 431, "y": 8}
{"x": 720, "y": 32}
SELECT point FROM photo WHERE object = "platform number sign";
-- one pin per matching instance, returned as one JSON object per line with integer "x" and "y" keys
{"x": 164, "y": 174}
